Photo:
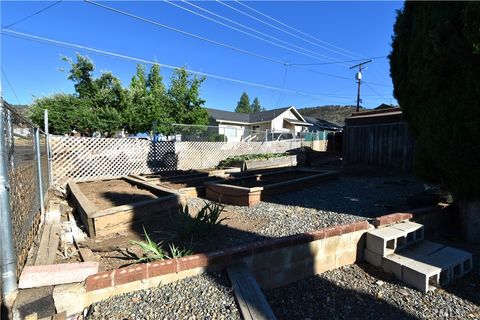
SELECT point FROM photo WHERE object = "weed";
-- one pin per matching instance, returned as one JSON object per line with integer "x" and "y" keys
{"x": 152, "y": 251}
{"x": 204, "y": 221}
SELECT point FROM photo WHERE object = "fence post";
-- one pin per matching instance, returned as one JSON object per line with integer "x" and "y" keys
{"x": 7, "y": 252}
{"x": 38, "y": 159}
{"x": 49, "y": 153}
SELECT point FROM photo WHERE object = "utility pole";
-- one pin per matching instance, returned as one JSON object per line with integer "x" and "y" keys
{"x": 358, "y": 77}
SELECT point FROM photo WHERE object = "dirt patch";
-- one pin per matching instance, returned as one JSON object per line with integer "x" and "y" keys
{"x": 113, "y": 193}
{"x": 197, "y": 182}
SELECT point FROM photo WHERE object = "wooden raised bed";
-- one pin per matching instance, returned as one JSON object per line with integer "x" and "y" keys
{"x": 142, "y": 203}
{"x": 191, "y": 187}
{"x": 248, "y": 190}
{"x": 276, "y": 162}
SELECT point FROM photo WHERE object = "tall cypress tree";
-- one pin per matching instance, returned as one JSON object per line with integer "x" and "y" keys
{"x": 243, "y": 105}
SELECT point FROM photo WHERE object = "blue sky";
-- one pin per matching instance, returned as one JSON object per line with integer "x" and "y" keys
{"x": 364, "y": 29}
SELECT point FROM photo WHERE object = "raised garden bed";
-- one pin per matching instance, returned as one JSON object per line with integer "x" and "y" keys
{"x": 260, "y": 161}
{"x": 192, "y": 187}
{"x": 111, "y": 206}
{"x": 248, "y": 190}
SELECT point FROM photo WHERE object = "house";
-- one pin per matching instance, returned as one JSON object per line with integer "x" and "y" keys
{"x": 275, "y": 124}
{"x": 322, "y": 125}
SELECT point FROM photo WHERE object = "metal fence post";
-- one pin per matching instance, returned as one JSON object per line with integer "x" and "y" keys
{"x": 39, "y": 171}
{"x": 7, "y": 252}
{"x": 49, "y": 153}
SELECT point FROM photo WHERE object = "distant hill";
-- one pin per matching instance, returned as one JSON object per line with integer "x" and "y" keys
{"x": 335, "y": 114}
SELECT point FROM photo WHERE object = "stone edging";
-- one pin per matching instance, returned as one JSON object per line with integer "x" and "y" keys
{"x": 221, "y": 257}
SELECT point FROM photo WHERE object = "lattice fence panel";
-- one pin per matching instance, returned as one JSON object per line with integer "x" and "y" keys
{"x": 200, "y": 155}
{"x": 81, "y": 159}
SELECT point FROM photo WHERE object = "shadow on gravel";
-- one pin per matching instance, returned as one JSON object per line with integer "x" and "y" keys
{"x": 361, "y": 195}
{"x": 318, "y": 298}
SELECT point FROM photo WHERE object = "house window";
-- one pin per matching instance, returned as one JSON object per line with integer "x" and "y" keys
{"x": 231, "y": 132}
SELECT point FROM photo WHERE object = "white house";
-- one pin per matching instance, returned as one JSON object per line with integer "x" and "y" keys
{"x": 276, "y": 124}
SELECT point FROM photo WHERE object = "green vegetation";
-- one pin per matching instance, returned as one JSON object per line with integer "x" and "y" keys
{"x": 204, "y": 222}
{"x": 244, "y": 106}
{"x": 435, "y": 67}
{"x": 230, "y": 161}
{"x": 334, "y": 114}
{"x": 102, "y": 104}
{"x": 154, "y": 251}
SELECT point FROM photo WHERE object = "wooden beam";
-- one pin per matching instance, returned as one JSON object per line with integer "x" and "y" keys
{"x": 250, "y": 298}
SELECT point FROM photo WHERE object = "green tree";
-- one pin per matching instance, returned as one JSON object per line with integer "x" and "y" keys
{"x": 256, "y": 107}
{"x": 185, "y": 106}
{"x": 435, "y": 67}
{"x": 243, "y": 105}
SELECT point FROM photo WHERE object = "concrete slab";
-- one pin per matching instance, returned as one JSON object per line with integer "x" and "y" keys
{"x": 414, "y": 232}
{"x": 384, "y": 241}
{"x": 47, "y": 275}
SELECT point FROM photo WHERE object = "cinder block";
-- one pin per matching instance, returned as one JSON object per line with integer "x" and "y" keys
{"x": 421, "y": 249}
{"x": 373, "y": 258}
{"x": 453, "y": 262}
{"x": 414, "y": 232}
{"x": 385, "y": 241}
{"x": 345, "y": 257}
{"x": 393, "y": 264}
{"x": 324, "y": 263}
{"x": 421, "y": 276}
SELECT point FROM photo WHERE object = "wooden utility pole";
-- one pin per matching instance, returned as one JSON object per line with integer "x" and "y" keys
{"x": 358, "y": 76}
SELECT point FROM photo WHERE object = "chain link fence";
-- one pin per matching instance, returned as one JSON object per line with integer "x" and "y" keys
{"x": 26, "y": 157}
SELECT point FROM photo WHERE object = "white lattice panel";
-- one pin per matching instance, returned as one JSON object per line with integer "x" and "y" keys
{"x": 81, "y": 159}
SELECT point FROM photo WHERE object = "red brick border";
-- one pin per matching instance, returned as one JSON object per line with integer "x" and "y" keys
{"x": 391, "y": 218}
{"x": 154, "y": 269}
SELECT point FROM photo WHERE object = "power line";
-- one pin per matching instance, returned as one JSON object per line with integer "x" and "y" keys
{"x": 31, "y": 15}
{"x": 280, "y": 29}
{"x": 44, "y": 40}
{"x": 375, "y": 91}
{"x": 280, "y": 97}
{"x": 10, "y": 85}
{"x": 183, "y": 32}
{"x": 317, "y": 55}
{"x": 334, "y": 62}
{"x": 303, "y": 33}
{"x": 208, "y": 40}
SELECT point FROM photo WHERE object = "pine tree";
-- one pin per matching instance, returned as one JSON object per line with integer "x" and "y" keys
{"x": 256, "y": 107}
{"x": 243, "y": 106}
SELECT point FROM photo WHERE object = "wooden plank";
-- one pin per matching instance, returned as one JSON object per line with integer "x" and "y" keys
{"x": 48, "y": 246}
{"x": 250, "y": 298}
{"x": 84, "y": 207}
{"x": 48, "y": 275}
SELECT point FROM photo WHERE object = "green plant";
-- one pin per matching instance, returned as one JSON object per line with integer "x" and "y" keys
{"x": 176, "y": 252}
{"x": 204, "y": 221}
{"x": 231, "y": 160}
{"x": 152, "y": 251}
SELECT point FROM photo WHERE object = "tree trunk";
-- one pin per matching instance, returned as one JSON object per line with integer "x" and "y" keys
{"x": 470, "y": 219}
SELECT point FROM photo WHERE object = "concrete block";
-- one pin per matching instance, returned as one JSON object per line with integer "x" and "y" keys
{"x": 394, "y": 264}
{"x": 385, "y": 241}
{"x": 421, "y": 249}
{"x": 453, "y": 262}
{"x": 324, "y": 263}
{"x": 414, "y": 232}
{"x": 421, "y": 276}
{"x": 373, "y": 258}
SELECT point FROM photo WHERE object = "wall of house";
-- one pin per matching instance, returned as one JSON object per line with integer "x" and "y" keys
{"x": 233, "y": 132}
{"x": 278, "y": 123}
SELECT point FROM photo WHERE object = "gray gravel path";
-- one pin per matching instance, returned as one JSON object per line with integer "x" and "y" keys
{"x": 363, "y": 292}
{"x": 206, "y": 296}
{"x": 343, "y": 200}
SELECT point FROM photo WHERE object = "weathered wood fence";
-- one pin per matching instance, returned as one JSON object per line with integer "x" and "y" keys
{"x": 387, "y": 145}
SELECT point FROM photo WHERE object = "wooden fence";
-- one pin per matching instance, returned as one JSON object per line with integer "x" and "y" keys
{"x": 387, "y": 145}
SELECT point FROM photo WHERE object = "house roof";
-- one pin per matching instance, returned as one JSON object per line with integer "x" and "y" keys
{"x": 262, "y": 116}
{"x": 320, "y": 124}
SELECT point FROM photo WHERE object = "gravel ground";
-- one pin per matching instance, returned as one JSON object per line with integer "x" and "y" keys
{"x": 343, "y": 200}
{"x": 206, "y": 296}
{"x": 363, "y": 292}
